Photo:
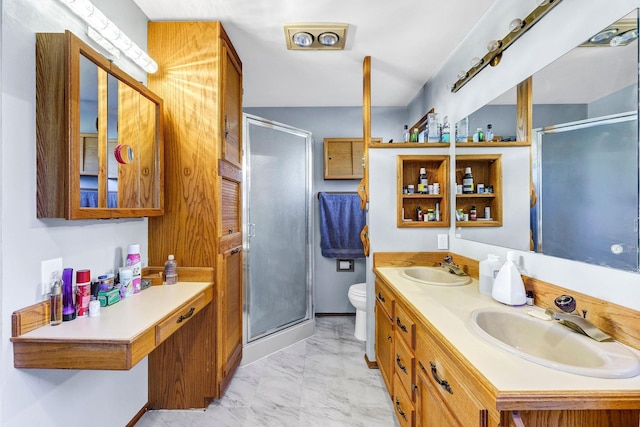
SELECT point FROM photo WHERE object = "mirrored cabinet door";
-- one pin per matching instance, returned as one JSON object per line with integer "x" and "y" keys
{"x": 99, "y": 136}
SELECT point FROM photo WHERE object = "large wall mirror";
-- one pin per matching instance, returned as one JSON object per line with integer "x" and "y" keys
{"x": 583, "y": 196}
{"x": 102, "y": 159}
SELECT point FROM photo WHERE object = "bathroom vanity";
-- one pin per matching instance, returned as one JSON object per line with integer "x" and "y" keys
{"x": 125, "y": 333}
{"x": 439, "y": 373}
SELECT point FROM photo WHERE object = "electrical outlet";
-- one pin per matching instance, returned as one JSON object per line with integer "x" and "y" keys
{"x": 443, "y": 241}
{"x": 49, "y": 269}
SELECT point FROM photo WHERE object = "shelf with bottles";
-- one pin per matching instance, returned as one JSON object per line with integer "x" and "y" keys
{"x": 484, "y": 137}
{"x": 433, "y": 202}
{"x": 486, "y": 191}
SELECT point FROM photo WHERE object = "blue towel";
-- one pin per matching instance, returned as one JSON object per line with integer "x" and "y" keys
{"x": 341, "y": 221}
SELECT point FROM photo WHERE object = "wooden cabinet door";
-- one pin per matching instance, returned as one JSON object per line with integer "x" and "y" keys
{"x": 230, "y": 316}
{"x": 232, "y": 110}
{"x": 430, "y": 410}
{"x": 384, "y": 344}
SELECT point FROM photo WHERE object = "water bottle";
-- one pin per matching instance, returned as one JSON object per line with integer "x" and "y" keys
{"x": 170, "y": 274}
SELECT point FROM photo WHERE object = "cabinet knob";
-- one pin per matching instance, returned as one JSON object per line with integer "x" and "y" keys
{"x": 400, "y": 325}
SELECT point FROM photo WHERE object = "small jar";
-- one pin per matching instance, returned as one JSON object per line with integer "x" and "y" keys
{"x": 473, "y": 214}
{"x": 431, "y": 215}
{"x": 410, "y": 189}
{"x": 419, "y": 213}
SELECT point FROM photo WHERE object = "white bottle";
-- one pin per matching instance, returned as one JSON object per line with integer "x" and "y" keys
{"x": 489, "y": 269}
{"x": 508, "y": 287}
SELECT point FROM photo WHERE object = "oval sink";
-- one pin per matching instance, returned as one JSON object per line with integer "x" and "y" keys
{"x": 434, "y": 276}
{"x": 553, "y": 345}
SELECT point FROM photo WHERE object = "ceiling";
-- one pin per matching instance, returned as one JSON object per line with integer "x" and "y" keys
{"x": 407, "y": 42}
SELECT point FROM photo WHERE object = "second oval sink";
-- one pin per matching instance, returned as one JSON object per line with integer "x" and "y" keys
{"x": 553, "y": 345}
{"x": 434, "y": 276}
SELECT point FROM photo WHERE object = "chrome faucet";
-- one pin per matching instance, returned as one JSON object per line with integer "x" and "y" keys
{"x": 575, "y": 321}
{"x": 453, "y": 269}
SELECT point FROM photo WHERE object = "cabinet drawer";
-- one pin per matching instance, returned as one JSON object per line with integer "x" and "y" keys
{"x": 405, "y": 326}
{"x": 179, "y": 317}
{"x": 404, "y": 365}
{"x": 402, "y": 404}
{"x": 446, "y": 381}
{"x": 384, "y": 297}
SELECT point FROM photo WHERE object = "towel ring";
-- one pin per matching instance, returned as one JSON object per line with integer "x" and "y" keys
{"x": 364, "y": 237}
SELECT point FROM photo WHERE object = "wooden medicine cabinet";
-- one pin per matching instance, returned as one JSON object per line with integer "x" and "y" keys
{"x": 486, "y": 170}
{"x": 99, "y": 135}
{"x": 344, "y": 158}
{"x": 434, "y": 205}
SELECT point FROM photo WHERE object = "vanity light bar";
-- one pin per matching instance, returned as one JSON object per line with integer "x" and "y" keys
{"x": 104, "y": 43}
{"x": 96, "y": 20}
{"x": 517, "y": 28}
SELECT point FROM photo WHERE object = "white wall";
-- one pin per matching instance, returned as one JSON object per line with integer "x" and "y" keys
{"x": 54, "y": 397}
{"x": 568, "y": 25}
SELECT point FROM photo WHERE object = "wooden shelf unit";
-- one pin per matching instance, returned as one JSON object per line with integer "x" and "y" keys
{"x": 408, "y": 169}
{"x": 487, "y": 170}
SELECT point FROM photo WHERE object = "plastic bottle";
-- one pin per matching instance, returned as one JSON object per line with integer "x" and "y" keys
{"x": 467, "y": 182}
{"x": 170, "y": 274}
{"x": 423, "y": 181}
{"x": 473, "y": 214}
{"x": 133, "y": 261}
{"x": 405, "y": 133}
{"x": 508, "y": 288}
{"x": 414, "y": 135}
{"x": 488, "y": 136}
{"x": 56, "y": 303}
{"x": 489, "y": 269}
{"x": 69, "y": 308}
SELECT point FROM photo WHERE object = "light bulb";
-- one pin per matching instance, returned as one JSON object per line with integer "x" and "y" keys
{"x": 475, "y": 61}
{"x": 516, "y": 25}
{"x": 462, "y": 74}
{"x": 494, "y": 45}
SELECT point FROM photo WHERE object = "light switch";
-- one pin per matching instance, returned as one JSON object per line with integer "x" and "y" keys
{"x": 443, "y": 241}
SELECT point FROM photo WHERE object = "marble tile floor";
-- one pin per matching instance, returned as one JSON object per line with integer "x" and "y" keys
{"x": 321, "y": 381}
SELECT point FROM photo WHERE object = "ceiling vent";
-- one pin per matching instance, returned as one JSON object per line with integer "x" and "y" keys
{"x": 315, "y": 36}
{"x": 621, "y": 33}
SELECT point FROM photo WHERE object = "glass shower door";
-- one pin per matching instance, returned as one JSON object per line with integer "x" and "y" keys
{"x": 277, "y": 216}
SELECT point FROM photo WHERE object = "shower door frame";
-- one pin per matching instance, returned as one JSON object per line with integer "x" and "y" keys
{"x": 306, "y": 322}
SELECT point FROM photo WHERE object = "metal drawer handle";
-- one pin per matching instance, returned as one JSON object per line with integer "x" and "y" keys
{"x": 400, "y": 325}
{"x": 443, "y": 383}
{"x": 381, "y": 298}
{"x": 235, "y": 251}
{"x": 400, "y": 411}
{"x": 400, "y": 365}
{"x": 186, "y": 316}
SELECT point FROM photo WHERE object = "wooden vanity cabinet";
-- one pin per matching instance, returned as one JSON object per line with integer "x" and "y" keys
{"x": 405, "y": 351}
{"x": 200, "y": 78}
{"x": 384, "y": 333}
{"x": 443, "y": 398}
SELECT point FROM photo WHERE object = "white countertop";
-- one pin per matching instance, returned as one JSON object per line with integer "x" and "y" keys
{"x": 124, "y": 320}
{"x": 449, "y": 309}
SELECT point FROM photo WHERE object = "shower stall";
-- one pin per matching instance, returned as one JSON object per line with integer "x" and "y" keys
{"x": 277, "y": 218}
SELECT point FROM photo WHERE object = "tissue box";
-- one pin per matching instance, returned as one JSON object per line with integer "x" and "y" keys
{"x": 109, "y": 297}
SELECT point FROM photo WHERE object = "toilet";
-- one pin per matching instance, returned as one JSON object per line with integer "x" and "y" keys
{"x": 358, "y": 298}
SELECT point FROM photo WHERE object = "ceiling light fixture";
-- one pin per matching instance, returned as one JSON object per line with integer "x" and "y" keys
{"x": 315, "y": 36}
{"x": 517, "y": 28}
{"x": 621, "y": 33}
{"x": 97, "y": 21}
{"x": 328, "y": 38}
{"x": 302, "y": 39}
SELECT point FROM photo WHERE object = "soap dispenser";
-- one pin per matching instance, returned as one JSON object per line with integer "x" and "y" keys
{"x": 508, "y": 287}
